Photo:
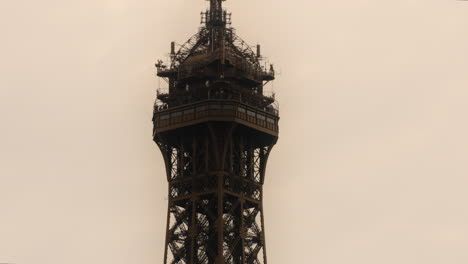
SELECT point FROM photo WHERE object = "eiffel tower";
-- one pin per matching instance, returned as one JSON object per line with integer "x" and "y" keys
{"x": 215, "y": 127}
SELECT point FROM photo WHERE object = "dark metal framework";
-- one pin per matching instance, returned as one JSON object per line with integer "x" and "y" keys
{"x": 215, "y": 129}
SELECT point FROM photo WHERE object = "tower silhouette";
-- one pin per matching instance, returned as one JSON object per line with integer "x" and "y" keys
{"x": 215, "y": 128}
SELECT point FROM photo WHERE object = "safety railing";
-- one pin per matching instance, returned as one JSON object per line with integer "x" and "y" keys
{"x": 216, "y": 109}
{"x": 271, "y": 109}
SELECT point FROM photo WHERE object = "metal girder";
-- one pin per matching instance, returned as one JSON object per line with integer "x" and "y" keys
{"x": 215, "y": 196}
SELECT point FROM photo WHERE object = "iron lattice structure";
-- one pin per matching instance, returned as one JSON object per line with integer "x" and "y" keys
{"x": 215, "y": 129}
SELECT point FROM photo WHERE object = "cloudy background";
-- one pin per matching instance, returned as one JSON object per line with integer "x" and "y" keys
{"x": 371, "y": 165}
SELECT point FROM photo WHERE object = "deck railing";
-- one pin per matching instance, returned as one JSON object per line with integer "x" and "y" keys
{"x": 216, "y": 109}
{"x": 272, "y": 109}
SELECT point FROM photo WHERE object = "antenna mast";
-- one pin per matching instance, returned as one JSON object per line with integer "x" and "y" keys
{"x": 216, "y": 17}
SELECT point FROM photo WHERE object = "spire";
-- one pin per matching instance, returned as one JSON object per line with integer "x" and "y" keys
{"x": 216, "y": 4}
{"x": 216, "y": 14}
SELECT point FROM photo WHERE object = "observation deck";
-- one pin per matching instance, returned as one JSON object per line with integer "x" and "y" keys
{"x": 216, "y": 110}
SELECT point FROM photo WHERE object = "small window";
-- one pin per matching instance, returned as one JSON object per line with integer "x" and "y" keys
{"x": 261, "y": 117}
{"x": 201, "y": 108}
{"x": 228, "y": 107}
{"x": 270, "y": 120}
{"x": 240, "y": 109}
{"x": 215, "y": 106}
{"x": 164, "y": 117}
{"x": 250, "y": 113}
{"x": 176, "y": 114}
{"x": 188, "y": 111}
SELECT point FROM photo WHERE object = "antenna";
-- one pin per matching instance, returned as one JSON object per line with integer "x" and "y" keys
{"x": 216, "y": 12}
{"x": 216, "y": 4}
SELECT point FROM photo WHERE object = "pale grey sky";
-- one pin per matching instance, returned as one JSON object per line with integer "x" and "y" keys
{"x": 371, "y": 165}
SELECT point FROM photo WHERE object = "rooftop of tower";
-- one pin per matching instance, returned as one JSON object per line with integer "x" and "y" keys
{"x": 216, "y": 64}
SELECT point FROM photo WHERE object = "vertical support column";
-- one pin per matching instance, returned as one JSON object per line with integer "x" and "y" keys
{"x": 166, "y": 246}
{"x": 194, "y": 157}
{"x": 222, "y": 52}
{"x": 243, "y": 231}
{"x": 263, "y": 232}
{"x": 181, "y": 160}
{"x": 220, "y": 220}
{"x": 250, "y": 162}
{"x": 193, "y": 231}
{"x": 207, "y": 152}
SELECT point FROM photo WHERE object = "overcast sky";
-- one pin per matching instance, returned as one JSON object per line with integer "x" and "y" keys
{"x": 372, "y": 162}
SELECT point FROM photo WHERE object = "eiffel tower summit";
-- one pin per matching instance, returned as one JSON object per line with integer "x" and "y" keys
{"x": 215, "y": 127}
